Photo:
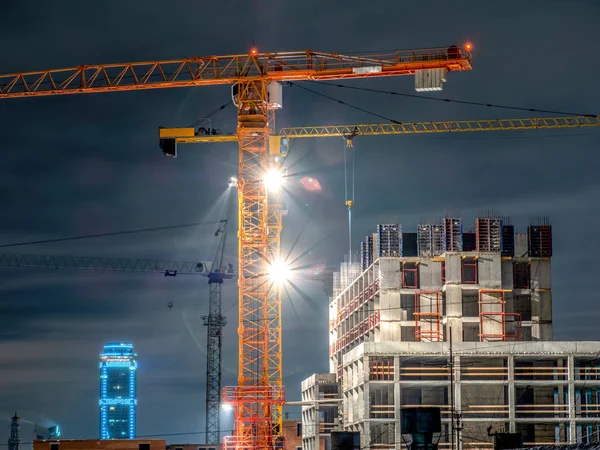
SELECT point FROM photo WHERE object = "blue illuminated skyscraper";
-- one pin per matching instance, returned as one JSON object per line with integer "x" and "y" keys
{"x": 117, "y": 391}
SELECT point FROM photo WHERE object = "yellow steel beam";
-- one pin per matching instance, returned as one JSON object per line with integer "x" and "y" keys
{"x": 183, "y": 136}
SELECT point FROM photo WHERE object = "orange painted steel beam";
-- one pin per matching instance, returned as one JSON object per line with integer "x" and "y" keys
{"x": 230, "y": 69}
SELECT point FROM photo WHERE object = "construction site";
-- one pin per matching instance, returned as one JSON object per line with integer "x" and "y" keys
{"x": 457, "y": 320}
{"x": 452, "y": 318}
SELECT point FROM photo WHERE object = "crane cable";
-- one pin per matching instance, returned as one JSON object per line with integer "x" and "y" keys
{"x": 349, "y": 199}
{"x": 210, "y": 114}
{"x": 448, "y": 100}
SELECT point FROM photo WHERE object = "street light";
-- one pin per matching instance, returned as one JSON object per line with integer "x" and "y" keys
{"x": 226, "y": 407}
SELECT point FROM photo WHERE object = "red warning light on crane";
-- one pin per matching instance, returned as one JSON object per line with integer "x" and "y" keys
{"x": 468, "y": 46}
{"x": 253, "y": 51}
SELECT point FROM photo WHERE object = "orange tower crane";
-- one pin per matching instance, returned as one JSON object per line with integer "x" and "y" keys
{"x": 256, "y": 91}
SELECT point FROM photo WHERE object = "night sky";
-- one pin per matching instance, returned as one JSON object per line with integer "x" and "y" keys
{"x": 85, "y": 164}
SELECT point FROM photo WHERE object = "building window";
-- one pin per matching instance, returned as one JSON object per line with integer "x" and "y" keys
{"x": 470, "y": 305}
{"x": 144, "y": 446}
{"x": 298, "y": 448}
{"x": 407, "y": 334}
{"x": 521, "y": 274}
{"x": 212, "y": 448}
{"x": 410, "y": 275}
{"x": 407, "y": 303}
{"x": 178, "y": 448}
{"x": 381, "y": 368}
{"x": 522, "y": 305}
{"x": 299, "y": 429}
{"x": 469, "y": 270}
{"x": 54, "y": 446}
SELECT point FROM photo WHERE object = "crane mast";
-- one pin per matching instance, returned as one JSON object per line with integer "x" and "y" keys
{"x": 259, "y": 396}
{"x": 215, "y": 321}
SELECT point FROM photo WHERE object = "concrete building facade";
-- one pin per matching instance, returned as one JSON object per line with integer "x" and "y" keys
{"x": 392, "y": 320}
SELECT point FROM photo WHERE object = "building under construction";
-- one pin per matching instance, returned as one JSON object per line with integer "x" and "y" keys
{"x": 418, "y": 305}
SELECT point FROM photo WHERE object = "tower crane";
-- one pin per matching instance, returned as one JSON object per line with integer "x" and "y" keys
{"x": 216, "y": 271}
{"x": 256, "y": 93}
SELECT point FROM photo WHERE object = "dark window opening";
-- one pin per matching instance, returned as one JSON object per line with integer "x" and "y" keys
{"x": 144, "y": 446}
{"x": 410, "y": 275}
{"x": 55, "y": 446}
{"x": 470, "y": 305}
{"x": 469, "y": 271}
{"x": 407, "y": 303}
{"x": 522, "y": 305}
{"x": 299, "y": 429}
{"x": 521, "y": 274}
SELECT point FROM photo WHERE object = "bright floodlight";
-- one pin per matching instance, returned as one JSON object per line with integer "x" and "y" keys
{"x": 278, "y": 272}
{"x": 226, "y": 407}
{"x": 273, "y": 179}
{"x": 233, "y": 181}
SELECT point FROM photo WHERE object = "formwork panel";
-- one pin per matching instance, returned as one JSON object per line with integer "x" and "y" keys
{"x": 539, "y": 241}
{"x": 430, "y": 240}
{"x": 389, "y": 240}
{"x": 452, "y": 234}
{"x": 489, "y": 234}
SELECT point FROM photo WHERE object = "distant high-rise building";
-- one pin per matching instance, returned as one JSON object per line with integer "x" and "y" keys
{"x": 118, "y": 399}
{"x": 14, "y": 441}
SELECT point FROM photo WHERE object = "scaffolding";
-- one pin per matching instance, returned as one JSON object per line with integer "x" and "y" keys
{"x": 358, "y": 332}
{"x": 427, "y": 315}
{"x": 410, "y": 275}
{"x": 493, "y": 318}
{"x": 488, "y": 233}
{"x": 357, "y": 302}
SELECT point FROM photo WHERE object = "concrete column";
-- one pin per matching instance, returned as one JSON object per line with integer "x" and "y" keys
{"x": 511, "y": 395}
{"x": 454, "y": 312}
{"x": 397, "y": 403}
{"x": 572, "y": 415}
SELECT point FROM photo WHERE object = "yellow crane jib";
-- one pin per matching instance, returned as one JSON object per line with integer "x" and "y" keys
{"x": 279, "y": 144}
{"x": 169, "y": 138}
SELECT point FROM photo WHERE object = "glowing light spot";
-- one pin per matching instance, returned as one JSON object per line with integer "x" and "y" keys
{"x": 278, "y": 272}
{"x": 273, "y": 179}
{"x": 311, "y": 184}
